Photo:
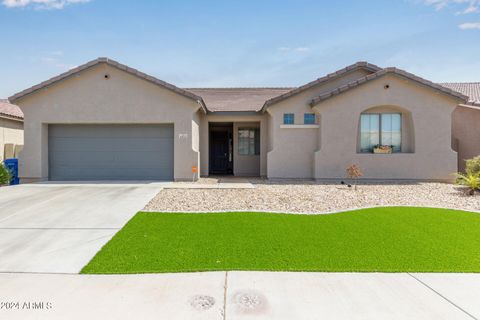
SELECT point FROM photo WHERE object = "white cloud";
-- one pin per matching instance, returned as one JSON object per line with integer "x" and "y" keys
{"x": 301, "y": 49}
{"x": 297, "y": 49}
{"x": 54, "y": 59}
{"x": 470, "y": 26}
{"x": 472, "y": 6}
{"x": 41, "y": 4}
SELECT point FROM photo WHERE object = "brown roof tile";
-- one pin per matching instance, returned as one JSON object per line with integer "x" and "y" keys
{"x": 10, "y": 110}
{"x": 382, "y": 73}
{"x": 237, "y": 99}
{"x": 328, "y": 77}
{"x": 117, "y": 65}
{"x": 470, "y": 89}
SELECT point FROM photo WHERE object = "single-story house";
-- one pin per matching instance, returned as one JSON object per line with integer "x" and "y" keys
{"x": 104, "y": 120}
{"x": 11, "y": 130}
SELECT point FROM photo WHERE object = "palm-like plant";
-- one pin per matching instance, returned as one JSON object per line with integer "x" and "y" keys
{"x": 471, "y": 180}
{"x": 5, "y": 175}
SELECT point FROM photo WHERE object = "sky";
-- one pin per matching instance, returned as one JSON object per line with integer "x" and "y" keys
{"x": 246, "y": 43}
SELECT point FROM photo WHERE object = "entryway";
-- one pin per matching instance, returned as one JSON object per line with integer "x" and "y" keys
{"x": 221, "y": 148}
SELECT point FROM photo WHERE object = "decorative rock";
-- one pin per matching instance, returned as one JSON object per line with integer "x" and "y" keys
{"x": 311, "y": 197}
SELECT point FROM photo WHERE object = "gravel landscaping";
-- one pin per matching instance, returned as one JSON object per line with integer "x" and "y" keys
{"x": 312, "y": 197}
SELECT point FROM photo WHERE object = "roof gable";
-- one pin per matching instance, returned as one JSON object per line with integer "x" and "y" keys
{"x": 381, "y": 73}
{"x": 116, "y": 65}
{"x": 329, "y": 77}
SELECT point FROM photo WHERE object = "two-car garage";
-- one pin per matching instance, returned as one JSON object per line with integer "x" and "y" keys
{"x": 110, "y": 152}
{"x": 106, "y": 121}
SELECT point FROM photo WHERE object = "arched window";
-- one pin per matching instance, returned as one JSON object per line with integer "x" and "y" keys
{"x": 381, "y": 131}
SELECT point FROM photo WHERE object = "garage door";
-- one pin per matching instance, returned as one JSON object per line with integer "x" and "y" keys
{"x": 110, "y": 152}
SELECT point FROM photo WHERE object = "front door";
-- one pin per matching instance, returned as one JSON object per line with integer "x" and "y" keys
{"x": 221, "y": 161}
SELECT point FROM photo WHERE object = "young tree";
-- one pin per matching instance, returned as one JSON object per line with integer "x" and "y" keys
{"x": 354, "y": 172}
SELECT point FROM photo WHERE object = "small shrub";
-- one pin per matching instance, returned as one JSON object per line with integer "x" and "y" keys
{"x": 472, "y": 181}
{"x": 5, "y": 175}
{"x": 354, "y": 172}
{"x": 473, "y": 166}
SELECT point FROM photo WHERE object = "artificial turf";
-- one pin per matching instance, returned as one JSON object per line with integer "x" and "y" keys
{"x": 392, "y": 239}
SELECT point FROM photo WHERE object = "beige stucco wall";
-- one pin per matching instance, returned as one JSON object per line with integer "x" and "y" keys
{"x": 88, "y": 98}
{"x": 466, "y": 133}
{"x": 429, "y": 155}
{"x": 291, "y": 151}
{"x": 242, "y": 165}
{"x": 11, "y": 131}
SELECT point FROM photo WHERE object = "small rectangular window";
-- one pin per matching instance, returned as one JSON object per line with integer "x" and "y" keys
{"x": 248, "y": 141}
{"x": 309, "y": 118}
{"x": 288, "y": 118}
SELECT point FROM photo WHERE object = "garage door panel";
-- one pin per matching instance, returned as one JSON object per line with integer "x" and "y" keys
{"x": 107, "y": 157}
{"x": 111, "y": 152}
{"x": 108, "y": 144}
{"x": 114, "y": 131}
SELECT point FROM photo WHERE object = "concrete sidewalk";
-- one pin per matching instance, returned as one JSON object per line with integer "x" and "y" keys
{"x": 241, "y": 295}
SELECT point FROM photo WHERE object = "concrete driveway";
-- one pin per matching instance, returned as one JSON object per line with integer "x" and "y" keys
{"x": 58, "y": 227}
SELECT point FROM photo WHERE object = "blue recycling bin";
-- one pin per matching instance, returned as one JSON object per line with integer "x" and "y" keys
{"x": 12, "y": 166}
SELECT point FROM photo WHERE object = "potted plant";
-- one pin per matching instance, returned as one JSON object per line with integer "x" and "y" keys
{"x": 383, "y": 149}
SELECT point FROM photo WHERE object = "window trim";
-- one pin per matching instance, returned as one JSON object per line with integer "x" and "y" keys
{"x": 380, "y": 130}
{"x": 285, "y": 115}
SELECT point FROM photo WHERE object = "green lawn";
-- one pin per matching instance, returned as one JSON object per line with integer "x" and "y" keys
{"x": 396, "y": 239}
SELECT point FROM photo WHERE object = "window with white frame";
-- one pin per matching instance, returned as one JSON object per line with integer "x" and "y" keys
{"x": 380, "y": 129}
{"x": 288, "y": 118}
{"x": 248, "y": 141}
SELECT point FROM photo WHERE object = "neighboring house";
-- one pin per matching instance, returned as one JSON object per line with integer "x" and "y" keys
{"x": 466, "y": 122}
{"x": 104, "y": 120}
{"x": 11, "y": 129}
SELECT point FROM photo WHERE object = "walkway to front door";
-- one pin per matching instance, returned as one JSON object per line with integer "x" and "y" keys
{"x": 221, "y": 148}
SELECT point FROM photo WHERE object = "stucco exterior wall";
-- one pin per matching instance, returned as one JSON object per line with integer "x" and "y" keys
{"x": 466, "y": 133}
{"x": 11, "y": 131}
{"x": 432, "y": 157}
{"x": 291, "y": 151}
{"x": 88, "y": 97}
{"x": 242, "y": 165}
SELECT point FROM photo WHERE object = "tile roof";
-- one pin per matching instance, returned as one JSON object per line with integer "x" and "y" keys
{"x": 328, "y": 77}
{"x": 382, "y": 73}
{"x": 237, "y": 99}
{"x": 117, "y": 65}
{"x": 254, "y": 99}
{"x": 470, "y": 89}
{"x": 10, "y": 110}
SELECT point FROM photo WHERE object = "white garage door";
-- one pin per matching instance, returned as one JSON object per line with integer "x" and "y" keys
{"x": 110, "y": 152}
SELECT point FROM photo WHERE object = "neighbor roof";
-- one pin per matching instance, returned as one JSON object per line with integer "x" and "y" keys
{"x": 359, "y": 65}
{"x": 470, "y": 89}
{"x": 8, "y": 110}
{"x": 114, "y": 64}
{"x": 237, "y": 99}
{"x": 382, "y": 73}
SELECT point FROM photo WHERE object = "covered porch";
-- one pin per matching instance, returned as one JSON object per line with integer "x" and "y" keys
{"x": 233, "y": 145}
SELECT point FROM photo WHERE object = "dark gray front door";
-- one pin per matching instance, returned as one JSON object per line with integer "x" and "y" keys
{"x": 110, "y": 152}
{"x": 221, "y": 148}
